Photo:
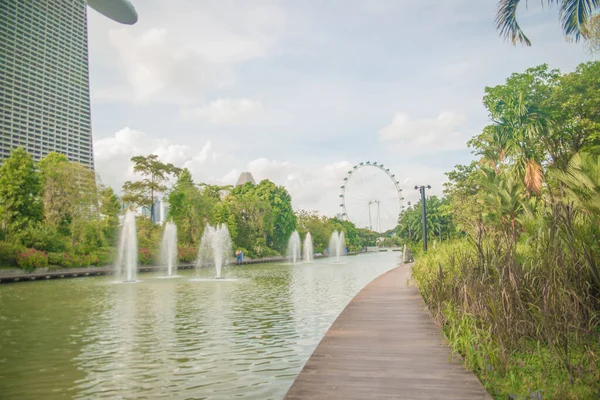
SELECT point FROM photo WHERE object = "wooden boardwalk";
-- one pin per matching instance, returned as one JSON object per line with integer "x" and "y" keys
{"x": 384, "y": 345}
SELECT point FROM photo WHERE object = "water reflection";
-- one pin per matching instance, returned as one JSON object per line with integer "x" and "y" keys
{"x": 171, "y": 337}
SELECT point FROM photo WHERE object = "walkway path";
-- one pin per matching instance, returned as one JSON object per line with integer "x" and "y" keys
{"x": 384, "y": 345}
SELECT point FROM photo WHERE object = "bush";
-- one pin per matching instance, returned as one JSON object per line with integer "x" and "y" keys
{"x": 44, "y": 238}
{"x": 106, "y": 255}
{"x": 187, "y": 254}
{"x": 30, "y": 259}
{"x": 145, "y": 256}
{"x": 56, "y": 258}
{"x": 9, "y": 253}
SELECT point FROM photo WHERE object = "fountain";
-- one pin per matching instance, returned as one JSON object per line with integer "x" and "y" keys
{"x": 294, "y": 247}
{"x": 215, "y": 247}
{"x": 168, "y": 249}
{"x": 126, "y": 265}
{"x": 337, "y": 245}
{"x": 308, "y": 248}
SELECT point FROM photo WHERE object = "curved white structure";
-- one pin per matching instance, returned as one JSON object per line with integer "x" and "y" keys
{"x": 118, "y": 10}
{"x": 363, "y": 165}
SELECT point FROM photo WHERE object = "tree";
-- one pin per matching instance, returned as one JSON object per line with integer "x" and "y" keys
{"x": 254, "y": 218}
{"x": 574, "y": 16}
{"x": 70, "y": 195}
{"x": 20, "y": 204}
{"x": 110, "y": 207}
{"x": 188, "y": 209}
{"x": 284, "y": 219}
{"x": 540, "y": 118}
{"x": 156, "y": 173}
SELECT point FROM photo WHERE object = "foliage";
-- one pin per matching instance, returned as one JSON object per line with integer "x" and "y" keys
{"x": 148, "y": 234}
{"x": 156, "y": 173}
{"x": 100, "y": 257}
{"x": 574, "y": 16}
{"x": 191, "y": 208}
{"x": 30, "y": 259}
{"x": 69, "y": 194}
{"x": 43, "y": 237}
{"x": 528, "y": 266}
{"x": 440, "y": 225}
{"x": 110, "y": 207}
{"x": 145, "y": 256}
{"x": 19, "y": 192}
{"x": 187, "y": 254}
{"x": 9, "y": 253}
{"x": 284, "y": 219}
{"x": 487, "y": 311}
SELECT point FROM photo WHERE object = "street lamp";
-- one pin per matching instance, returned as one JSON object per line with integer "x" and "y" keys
{"x": 424, "y": 213}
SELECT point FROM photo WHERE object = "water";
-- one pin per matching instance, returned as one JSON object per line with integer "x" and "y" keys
{"x": 168, "y": 249}
{"x": 308, "y": 248}
{"x": 294, "y": 247}
{"x": 337, "y": 245}
{"x": 84, "y": 338}
{"x": 126, "y": 265}
{"x": 215, "y": 248}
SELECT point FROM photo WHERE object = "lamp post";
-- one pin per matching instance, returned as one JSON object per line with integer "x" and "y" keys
{"x": 424, "y": 213}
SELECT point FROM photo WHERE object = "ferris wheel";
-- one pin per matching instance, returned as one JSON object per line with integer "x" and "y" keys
{"x": 396, "y": 193}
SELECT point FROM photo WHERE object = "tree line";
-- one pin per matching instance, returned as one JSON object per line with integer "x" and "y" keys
{"x": 57, "y": 213}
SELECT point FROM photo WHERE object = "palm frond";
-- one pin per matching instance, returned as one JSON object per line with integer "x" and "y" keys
{"x": 574, "y": 14}
{"x": 533, "y": 176}
{"x": 506, "y": 22}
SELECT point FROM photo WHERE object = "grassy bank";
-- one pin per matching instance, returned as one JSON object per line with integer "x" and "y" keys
{"x": 529, "y": 330}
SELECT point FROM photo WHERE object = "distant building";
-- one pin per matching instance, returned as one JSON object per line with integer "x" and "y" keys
{"x": 245, "y": 177}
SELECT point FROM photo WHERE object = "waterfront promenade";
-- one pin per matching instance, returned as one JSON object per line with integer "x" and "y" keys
{"x": 384, "y": 345}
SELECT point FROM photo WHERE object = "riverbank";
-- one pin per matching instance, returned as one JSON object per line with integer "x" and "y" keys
{"x": 16, "y": 275}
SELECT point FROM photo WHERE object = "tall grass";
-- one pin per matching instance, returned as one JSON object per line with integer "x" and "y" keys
{"x": 526, "y": 319}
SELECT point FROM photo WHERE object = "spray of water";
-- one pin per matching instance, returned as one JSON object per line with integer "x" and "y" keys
{"x": 308, "y": 248}
{"x": 168, "y": 249}
{"x": 215, "y": 248}
{"x": 294, "y": 247}
{"x": 337, "y": 245}
{"x": 126, "y": 265}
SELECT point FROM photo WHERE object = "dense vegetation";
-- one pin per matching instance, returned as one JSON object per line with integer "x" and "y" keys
{"x": 517, "y": 290}
{"x": 57, "y": 213}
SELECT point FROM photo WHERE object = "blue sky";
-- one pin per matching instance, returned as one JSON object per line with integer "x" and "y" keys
{"x": 298, "y": 92}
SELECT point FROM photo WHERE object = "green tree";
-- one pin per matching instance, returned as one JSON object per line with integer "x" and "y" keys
{"x": 284, "y": 219}
{"x": 156, "y": 173}
{"x": 110, "y": 208}
{"x": 70, "y": 195}
{"x": 574, "y": 16}
{"x": 185, "y": 209}
{"x": 20, "y": 204}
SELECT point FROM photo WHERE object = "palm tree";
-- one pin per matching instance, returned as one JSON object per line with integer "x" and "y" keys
{"x": 574, "y": 14}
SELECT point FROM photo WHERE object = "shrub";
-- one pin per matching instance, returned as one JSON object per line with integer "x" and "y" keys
{"x": 9, "y": 253}
{"x": 45, "y": 238}
{"x": 145, "y": 256}
{"x": 187, "y": 254}
{"x": 30, "y": 259}
{"x": 106, "y": 255}
{"x": 56, "y": 258}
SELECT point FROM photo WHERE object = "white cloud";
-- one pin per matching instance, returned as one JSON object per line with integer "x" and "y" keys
{"x": 177, "y": 57}
{"x": 113, "y": 154}
{"x": 224, "y": 111}
{"x": 424, "y": 135}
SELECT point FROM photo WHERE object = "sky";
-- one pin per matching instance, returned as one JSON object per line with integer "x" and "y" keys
{"x": 298, "y": 92}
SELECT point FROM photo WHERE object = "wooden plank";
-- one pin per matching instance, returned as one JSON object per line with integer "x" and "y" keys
{"x": 384, "y": 345}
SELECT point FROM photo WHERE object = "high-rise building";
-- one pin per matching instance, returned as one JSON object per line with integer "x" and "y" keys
{"x": 44, "y": 78}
